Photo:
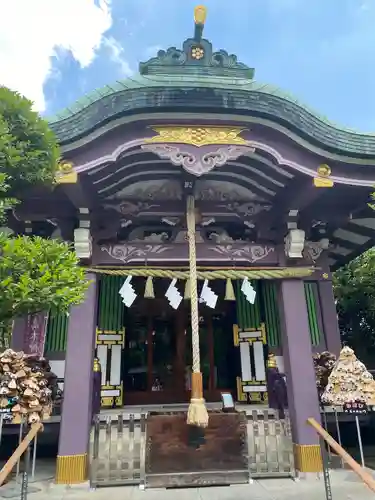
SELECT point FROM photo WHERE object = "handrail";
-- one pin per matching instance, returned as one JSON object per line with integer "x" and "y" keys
{"x": 21, "y": 448}
{"x": 344, "y": 455}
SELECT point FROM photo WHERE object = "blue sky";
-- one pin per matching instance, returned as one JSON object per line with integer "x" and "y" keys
{"x": 320, "y": 51}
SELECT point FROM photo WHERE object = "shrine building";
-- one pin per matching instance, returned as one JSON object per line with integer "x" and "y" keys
{"x": 280, "y": 198}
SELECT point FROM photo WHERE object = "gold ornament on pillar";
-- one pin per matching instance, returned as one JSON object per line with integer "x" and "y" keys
{"x": 197, "y": 412}
{"x": 97, "y": 366}
{"x": 271, "y": 362}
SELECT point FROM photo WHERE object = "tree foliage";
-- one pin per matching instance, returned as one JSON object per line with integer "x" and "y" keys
{"x": 29, "y": 152}
{"x": 35, "y": 274}
{"x": 354, "y": 286}
{"x": 38, "y": 275}
{"x": 5, "y": 201}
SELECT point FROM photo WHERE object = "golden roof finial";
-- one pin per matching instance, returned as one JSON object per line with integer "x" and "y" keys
{"x": 200, "y": 13}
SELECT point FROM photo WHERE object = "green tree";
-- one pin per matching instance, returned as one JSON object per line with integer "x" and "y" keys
{"x": 5, "y": 201}
{"x": 36, "y": 275}
{"x": 29, "y": 152}
{"x": 354, "y": 287}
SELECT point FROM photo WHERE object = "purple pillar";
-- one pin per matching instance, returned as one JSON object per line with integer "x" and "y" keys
{"x": 72, "y": 460}
{"x": 302, "y": 393}
{"x": 329, "y": 317}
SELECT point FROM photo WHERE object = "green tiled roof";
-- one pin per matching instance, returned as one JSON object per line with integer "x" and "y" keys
{"x": 197, "y": 78}
{"x": 155, "y": 93}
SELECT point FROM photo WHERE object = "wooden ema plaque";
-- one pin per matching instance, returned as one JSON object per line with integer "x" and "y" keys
{"x": 181, "y": 455}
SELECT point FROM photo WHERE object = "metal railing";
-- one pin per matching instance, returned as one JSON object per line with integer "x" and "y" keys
{"x": 270, "y": 447}
{"x": 118, "y": 447}
{"x": 119, "y": 452}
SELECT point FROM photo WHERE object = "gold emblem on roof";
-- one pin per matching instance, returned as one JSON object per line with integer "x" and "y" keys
{"x": 197, "y": 53}
{"x": 66, "y": 173}
{"x": 197, "y": 136}
{"x": 322, "y": 180}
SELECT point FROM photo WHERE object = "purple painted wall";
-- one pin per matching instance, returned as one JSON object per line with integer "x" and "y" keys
{"x": 76, "y": 415}
{"x": 299, "y": 369}
{"x": 286, "y": 146}
{"x": 106, "y": 144}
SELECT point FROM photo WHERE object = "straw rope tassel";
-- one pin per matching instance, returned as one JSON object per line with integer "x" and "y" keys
{"x": 229, "y": 290}
{"x": 187, "y": 290}
{"x": 149, "y": 289}
{"x": 197, "y": 412}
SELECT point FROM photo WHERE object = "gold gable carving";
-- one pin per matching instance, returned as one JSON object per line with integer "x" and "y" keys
{"x": 197, "y": 136}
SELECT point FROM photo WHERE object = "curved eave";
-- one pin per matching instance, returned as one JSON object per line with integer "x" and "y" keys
{"x": 154, "y": 94}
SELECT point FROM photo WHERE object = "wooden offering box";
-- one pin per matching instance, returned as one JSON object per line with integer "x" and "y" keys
{"x": 181, "y": 455}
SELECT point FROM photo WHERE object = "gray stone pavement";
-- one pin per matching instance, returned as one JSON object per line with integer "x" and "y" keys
{"x": 345, "y": 486}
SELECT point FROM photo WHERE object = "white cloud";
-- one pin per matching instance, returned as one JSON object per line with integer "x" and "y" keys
{"x": 30, "y": 30}
{"x": 116, "y": 55}
{"x": 152, "y": 51}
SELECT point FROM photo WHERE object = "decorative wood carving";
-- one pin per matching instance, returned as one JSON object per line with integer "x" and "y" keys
{"x": 313, "y": 250}
{"x": 197, "y": 160}
{"x": 249, "y": 209}
{"x": 132, "y": 207}
{"x": 251, "y": 253}
{"x": 178, "y": 252}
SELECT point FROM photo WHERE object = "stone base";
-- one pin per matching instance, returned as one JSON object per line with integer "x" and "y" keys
{"x": 71, "y": 469}
{"x": 307, "y": 458}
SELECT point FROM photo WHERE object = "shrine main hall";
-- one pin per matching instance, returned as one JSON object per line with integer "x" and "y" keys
{"x": 278, "y": 198}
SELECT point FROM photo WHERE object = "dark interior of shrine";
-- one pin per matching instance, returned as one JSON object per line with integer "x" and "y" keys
{"x": 156, "y": 363}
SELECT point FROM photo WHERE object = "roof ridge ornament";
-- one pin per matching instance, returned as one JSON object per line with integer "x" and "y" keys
{"x": 196, "y": 57}
{"x": 200, "y": 14}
